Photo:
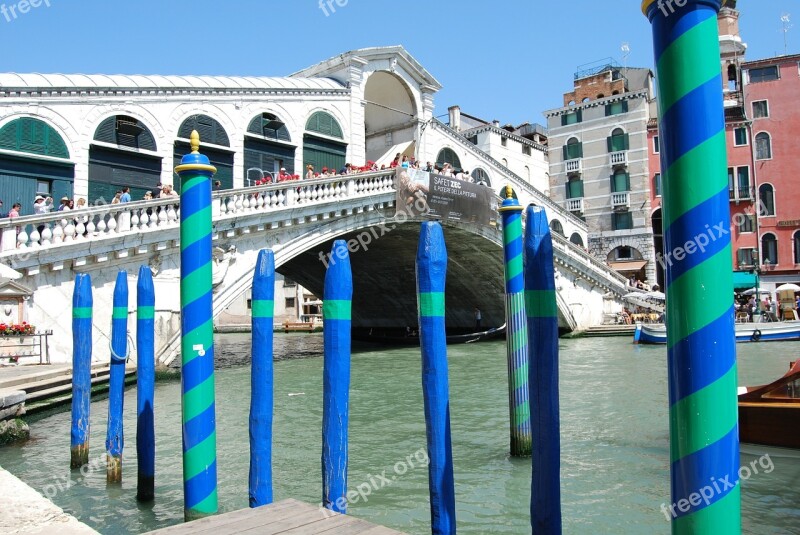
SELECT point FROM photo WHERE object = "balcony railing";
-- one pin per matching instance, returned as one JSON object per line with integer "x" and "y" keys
{"x": 621, "y": 200}
{"x": 573, "y": 166}
{"x": 619, "y": 158}
{"x": 575, "y": 205}
{"x": 741, "y": 194}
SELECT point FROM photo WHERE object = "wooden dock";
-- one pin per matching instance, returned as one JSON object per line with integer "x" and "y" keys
{"x": 287, "y": 517}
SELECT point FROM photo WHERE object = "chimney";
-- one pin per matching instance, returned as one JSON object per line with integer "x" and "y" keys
{"x": 455, "y": 118}
{"x": 496, "y": 123}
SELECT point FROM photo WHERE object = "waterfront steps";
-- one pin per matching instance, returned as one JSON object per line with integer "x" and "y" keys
{"x": 284, "y": 517}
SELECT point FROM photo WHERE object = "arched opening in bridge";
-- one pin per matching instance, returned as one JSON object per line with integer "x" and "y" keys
{"x": 214, "y": 143}
{"x": 390, "y": 118}
{"x": 123, "y": 153}
{"x": 321, "y": 145}
{"x": 479, "y": 176}
{"x": 658, "y": 245}
{"x": 557, "y": 227}
{"x": 267, "y": 147}
{"x": 23, "y": 175}
{"x": 576, "y": 239}
{"x": 448, "y": 155}
{"x": 628, "y": 261}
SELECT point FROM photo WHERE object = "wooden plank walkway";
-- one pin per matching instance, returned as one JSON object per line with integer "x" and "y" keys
{"x": 287, "y": 517}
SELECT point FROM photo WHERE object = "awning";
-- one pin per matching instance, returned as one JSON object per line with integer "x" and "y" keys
{"x": 405, "y": 149}
{"x": 631, "y": 266}
{"x": 743, "y": 280}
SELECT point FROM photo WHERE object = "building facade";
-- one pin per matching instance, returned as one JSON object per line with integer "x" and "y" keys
{"x": 761, "y": 125}
{"x": 599, "y": 169}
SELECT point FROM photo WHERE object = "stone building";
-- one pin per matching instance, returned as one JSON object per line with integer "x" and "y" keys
{"x": 599, "y": 163}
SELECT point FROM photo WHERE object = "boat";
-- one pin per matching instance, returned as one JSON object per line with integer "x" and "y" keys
{"x": 397, "y": 338}
{"x": 770, "y": 414}
{"x": 656, "y": 333}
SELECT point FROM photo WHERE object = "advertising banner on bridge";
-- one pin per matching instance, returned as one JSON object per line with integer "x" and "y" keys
{"x": 437, "y": 196}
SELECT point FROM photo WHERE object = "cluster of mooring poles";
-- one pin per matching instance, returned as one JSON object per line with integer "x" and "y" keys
{"x": 702, "y": 371}
{"x": 82, "y": 313}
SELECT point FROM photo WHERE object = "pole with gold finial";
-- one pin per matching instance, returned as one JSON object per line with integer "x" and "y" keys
{"x": 197, "y": 336}
{"x": 516, "y": 327}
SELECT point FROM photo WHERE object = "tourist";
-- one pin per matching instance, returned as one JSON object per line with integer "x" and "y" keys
{"x": 2, "y": 214}
{"x": 117, "y": 197}
{"x": 429, "y": 167}
{"x": 148, "y": 196}
{"x": 396, "y": 161}
{"x": 64, "y": 201}
{"x": 14, "y": 213}
{"x": 126, "y": 195}
{"x": 404, "y": 163}
{"x": 309, "y": 172}
{"x": 41, "y": 205}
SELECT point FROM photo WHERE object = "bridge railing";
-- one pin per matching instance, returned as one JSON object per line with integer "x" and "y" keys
{"x": 38, "y": 232}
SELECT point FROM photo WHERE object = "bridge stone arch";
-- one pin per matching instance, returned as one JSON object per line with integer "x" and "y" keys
{"x": 390, "y": 68}
{"x": 391, "y": 110}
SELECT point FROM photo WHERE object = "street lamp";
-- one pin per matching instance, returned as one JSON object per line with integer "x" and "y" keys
{"x": 756, "y": 269}
{"x": 261, "y": 175}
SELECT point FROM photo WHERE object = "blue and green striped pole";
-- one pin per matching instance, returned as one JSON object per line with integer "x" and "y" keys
{"x": 197, "y": 336}
{"x": 516, "y": 327}
{"x": 431, "y": 278}
{"x": 145, "y": 385}
{"x": 337, "y": 305}
{"x": 81, "y": 369}
{"x": 704, "y": 435}
{"x": 261, "y": 380}
{"x": 542, "y": 311}
{"x": 116, "y": 382}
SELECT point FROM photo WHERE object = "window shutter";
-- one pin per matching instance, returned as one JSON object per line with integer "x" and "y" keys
{"x": 626, "y": 142}
{"x": 580, "y": 152}
{"x": 564, "y": 120}
{"x": 627, "y": 182}
{"x": 609, "y": 110}
{"x": 624, "y": 106}
{"x": 610, "y": 144}
{"x": 613, "y": 184}
{"x": 580, "y": 116}
{"x": 566, "y": 154}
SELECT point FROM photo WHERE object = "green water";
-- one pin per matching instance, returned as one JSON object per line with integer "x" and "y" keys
{"x": 614, "y": 466}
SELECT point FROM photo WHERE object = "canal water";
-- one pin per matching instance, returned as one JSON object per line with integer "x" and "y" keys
{"x": 614, "y": 436}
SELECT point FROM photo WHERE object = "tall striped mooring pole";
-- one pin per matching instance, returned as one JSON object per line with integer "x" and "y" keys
{"x": 704, "y": 440}
{"x": 516, "y": 327}
{"x": 541, "y": 309}
{"x": 431, "y": 278}
{"x": 197, "y": 336}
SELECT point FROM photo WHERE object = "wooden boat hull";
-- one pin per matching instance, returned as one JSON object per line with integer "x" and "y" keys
{"x": 769, "y": 415}
{"x": 656, "y": 333}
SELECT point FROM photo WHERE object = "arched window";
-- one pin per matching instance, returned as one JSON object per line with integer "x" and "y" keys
{"x": 618, "y": 140}
{"x": 447, "y": 155}
{"x": 763, "y": 146}
{"x": 34, "y": 137}
{"x": 324, "y": 123}
{"x": 213, "y": 133}
{"x": 270, "y": 126}
{"x": 586, "y": 99}
{"x": 576, "y": 239}
{"x": 505, "y": 162}
{"x": 573, "y": 149}
{"x": 620, "y": 181}
{"x": 555, "y": 226}
{"x": 126, "y": 132}
{"x": 796, "y": 241}
{"x": 479, "y": 176}
{"x": 601, "y": 95}
{"x": 528, "y": 173}
{"x": 769, "y": 249}
{"x": 767, "y": 197}
{"x": 210, "y": 130}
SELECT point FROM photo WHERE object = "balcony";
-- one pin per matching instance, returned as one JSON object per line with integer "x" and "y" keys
{"x": 621, "y": 202}
{"x": 619, "y": 158}
{"x": 573, "y": 166}
{"x": 741, "y": 194}
{"x": 575, "y": 205}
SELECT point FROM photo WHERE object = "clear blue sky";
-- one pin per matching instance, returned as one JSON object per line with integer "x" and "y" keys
{"x": 502, "y": 59}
